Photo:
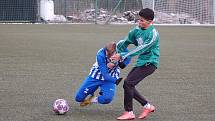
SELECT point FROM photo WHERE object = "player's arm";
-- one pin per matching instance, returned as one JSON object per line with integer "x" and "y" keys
{"x": 125, "y": 62}
{"x": 122, "y": 45}
{"x": 104, "y": 69}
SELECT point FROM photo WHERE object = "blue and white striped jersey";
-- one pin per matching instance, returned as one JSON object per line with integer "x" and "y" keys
{"x": 100, "y": 70}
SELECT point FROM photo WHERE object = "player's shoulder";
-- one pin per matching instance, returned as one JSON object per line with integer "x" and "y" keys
{"x": 135, "y": 28}
{"x": 101, "y": 52}
{"x": 153, "y": 30}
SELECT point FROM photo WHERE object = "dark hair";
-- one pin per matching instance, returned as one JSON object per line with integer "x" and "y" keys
{"x": 147, "y": 13}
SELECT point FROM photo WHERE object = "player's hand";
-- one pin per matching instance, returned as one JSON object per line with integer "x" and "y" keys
{"x": 118, "y": 81}
{"x": 122, "y": 65}
{"x": 110, "y": 65}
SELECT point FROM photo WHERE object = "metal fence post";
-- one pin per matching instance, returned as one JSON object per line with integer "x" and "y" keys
{"x": 214, "y": 11}
{"x": 96, "y": 9}
{"x": 114, "y": 10}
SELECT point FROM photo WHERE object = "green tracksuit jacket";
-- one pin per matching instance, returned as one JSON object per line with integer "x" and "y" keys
{"x": 146, "y": 42}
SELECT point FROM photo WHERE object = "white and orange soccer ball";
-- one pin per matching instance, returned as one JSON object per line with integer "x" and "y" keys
{"x": 60, "y": 106}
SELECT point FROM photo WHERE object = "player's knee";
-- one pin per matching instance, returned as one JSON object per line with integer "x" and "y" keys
{"x": 105, "y": 99}
{"x": 79, "y": 98}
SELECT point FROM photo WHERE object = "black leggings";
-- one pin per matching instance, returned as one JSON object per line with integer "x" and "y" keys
{"x": 134, "y": 77}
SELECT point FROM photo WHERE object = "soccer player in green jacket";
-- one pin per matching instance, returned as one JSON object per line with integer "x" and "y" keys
{"x": 145, "y": 38}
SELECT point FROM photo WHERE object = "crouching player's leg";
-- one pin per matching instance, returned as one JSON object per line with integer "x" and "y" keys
{"x": 107, "y": 90}
{"x": 88, "y": 87}
{"x": 106, "y": 94}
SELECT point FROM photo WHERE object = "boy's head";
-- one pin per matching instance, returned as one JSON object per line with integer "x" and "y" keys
{"x": 110, "y": 48}
{"x": 147, "y": 14}
{"x": 146, "y": 17}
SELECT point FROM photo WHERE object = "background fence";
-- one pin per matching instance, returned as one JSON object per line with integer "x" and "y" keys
{"x": 18, "y": 10}
{"x": 107, "y": 11}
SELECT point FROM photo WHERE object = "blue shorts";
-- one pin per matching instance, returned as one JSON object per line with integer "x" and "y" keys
{"x": 90, "y": 85}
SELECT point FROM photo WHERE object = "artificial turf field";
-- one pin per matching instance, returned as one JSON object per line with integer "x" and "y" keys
{"x": 40, "y": 63}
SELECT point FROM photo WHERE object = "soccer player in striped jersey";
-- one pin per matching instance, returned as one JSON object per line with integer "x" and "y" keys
{"x": 104, "y": 74}
{"x": 146, "y": 39}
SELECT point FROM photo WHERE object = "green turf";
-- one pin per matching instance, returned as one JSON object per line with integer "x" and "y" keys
{"x": 40, "y": 63}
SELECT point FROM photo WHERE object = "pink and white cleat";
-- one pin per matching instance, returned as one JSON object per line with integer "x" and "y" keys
{"x": 127, "y": 116}
{"x": 146, "y": 111}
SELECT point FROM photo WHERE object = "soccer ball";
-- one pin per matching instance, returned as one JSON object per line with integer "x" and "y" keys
{"x": 60, "y": 106}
